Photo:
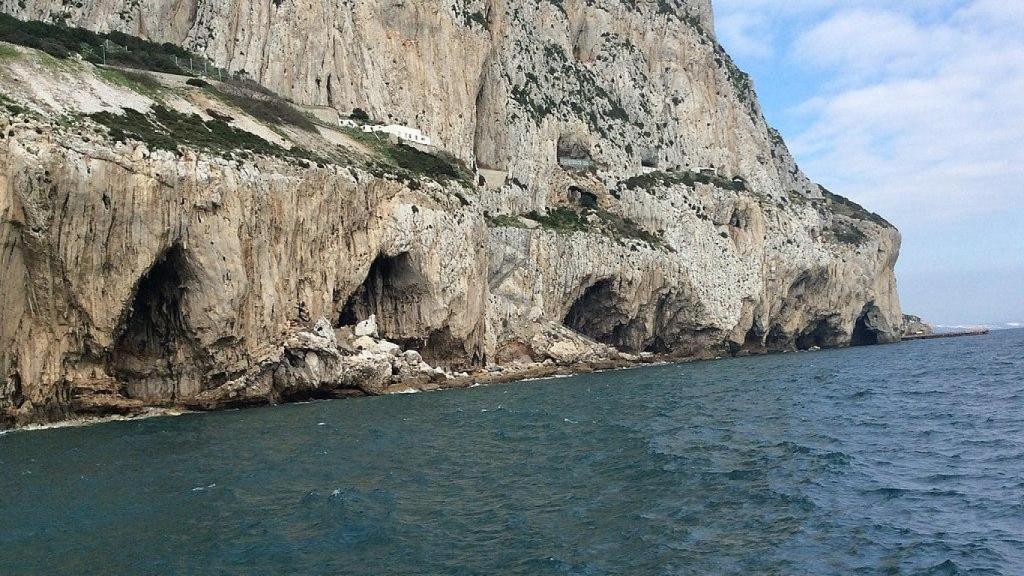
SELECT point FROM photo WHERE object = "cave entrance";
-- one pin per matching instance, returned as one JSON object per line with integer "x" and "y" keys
{"x": 754, "y": 339}
{"x": 818, "y": 335}
{"x": 864, "y": 334}
{"x": 649, "y": 158}
{"x": 393, "y": 290}
{"x": 585, "y": 198}
{"x": 573, "y": 152}
{"x": 155, "y": 352}
{"x": 596, "y": 315}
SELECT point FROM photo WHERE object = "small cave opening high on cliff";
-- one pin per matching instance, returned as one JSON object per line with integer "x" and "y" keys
{"x": 596, "y": 315}
{"x": 649, "y": 158}
{"x": 393, "y": 291}
{"x": 585, "y": 198}
{"x": 155, "y": 352}
{"x": 573, "y": 152}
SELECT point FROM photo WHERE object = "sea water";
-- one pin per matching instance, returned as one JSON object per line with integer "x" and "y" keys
{"x": 902, "y": 459}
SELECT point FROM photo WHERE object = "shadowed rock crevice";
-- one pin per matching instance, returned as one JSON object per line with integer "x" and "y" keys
{"x": 865, "y": 330}
{"x": 442, "y": 348}
{"x": 598, "y": 314}
{"x": 821, "y": 334}
{"x": 155, "y": 352}
{"x": 408, "y": 312}
{"x": 394, "y": 290}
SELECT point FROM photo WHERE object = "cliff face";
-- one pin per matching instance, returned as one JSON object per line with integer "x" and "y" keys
{"x": 139, "y": 277}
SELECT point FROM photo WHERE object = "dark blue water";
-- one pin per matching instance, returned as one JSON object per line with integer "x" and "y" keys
{"x": 905, "y": 459}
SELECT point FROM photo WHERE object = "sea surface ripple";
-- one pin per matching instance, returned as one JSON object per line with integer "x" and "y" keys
{"x": 903, "y": 459}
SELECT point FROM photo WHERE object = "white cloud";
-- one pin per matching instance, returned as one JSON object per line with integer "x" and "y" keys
{"x": 748, "y": 34}
{"x": 915, "y": 109}
{"x": 925, "y": 121}
{"x": 919, "y": 109}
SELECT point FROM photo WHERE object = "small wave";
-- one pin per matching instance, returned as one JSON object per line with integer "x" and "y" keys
{"x": 943, "y": 477}
{"x": 552, "y": 377}
{"x": 793, "y": 447}
{"x": 837, "y": 458}
{"x": 946, "y": 568}
{"x": 887, "y": 493}
{"x": 150, "y": 413}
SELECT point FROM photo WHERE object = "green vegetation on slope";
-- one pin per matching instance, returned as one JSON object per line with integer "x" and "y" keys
{"x": 11, "y": 106}
{"x": 121, "y": 49}
{"x": 259, "y": 102}
{"x": 567, "y": 221}
{"x": 141, "y": 82}
{"x": 850, "y": 209}
{"x": 439, "y": 166}
{"x": 126, "y": 51}
{"x": 845, "y": 233}
{"x": 688, "y": 178}
{"x": 168, "y": 129}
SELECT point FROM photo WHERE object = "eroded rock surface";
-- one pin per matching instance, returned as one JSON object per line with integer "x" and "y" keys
{"x": 645, "y": 208}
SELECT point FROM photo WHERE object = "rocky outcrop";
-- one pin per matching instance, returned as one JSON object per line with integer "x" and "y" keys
{"x": 915, "y": 326}
{"x": 676, "y": 223}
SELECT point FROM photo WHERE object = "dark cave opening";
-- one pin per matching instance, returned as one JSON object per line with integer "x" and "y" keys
{"x": 585, "y": 198}
{"x": 154, "y": 351}
{"x": 819, "y": 335}
{"x": 595, "y": 314}
{"x": 393, "y": 289}
{"x": 397, "y": 292}
{"x": 863, "y": 333}
{"x": 754, "y": 339}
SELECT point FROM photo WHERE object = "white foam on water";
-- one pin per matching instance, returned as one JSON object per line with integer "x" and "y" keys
{"x": 152, "y": 413}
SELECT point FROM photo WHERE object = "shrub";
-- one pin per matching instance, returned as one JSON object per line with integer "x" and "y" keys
{"x": 505, "y": 221}
{"x": 197, "y": 82}
{"x": 420, "y": 162}
{"x": 219, "y": 115}
{"x": 851, "y": 209}
{"x": 12, "y": 106}
{"x": 689, "y": 178}
{"x": 360, "y": 115}
{"x": 846, "y": 233}
{"x": 439, "y": 166}
{"x": 566, "y": 221}
{"x": 63, "y": 41}
{"x": 261, "y": 103}
{"x": 167, "y": 129}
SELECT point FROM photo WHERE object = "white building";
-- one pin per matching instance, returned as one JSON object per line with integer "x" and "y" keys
{"x": 402, "y": 132}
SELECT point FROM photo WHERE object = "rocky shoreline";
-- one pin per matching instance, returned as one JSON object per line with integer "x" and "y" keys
{"x": 329, "y": 363}
{"x": 366, "y": 356}
{"x": 169, "y": 244}
{"x": 324, "y": 363}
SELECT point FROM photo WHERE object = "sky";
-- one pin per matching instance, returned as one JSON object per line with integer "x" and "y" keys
{"x": 915, "y": 109}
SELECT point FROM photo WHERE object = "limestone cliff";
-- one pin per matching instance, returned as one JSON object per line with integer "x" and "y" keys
{"x": 635, "y": 201}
